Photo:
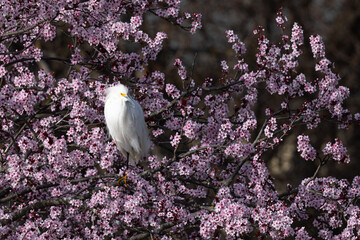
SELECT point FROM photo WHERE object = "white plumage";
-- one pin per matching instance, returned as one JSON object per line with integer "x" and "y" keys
{"x": 126, "y": 124}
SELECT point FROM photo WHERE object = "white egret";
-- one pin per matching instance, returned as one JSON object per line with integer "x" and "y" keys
{"x": 126, "y": 124}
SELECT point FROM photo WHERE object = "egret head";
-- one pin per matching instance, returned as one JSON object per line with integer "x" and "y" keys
{"x": 117, "y": 92}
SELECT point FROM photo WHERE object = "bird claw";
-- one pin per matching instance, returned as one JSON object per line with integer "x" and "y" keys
{"x": 123, "y": 178}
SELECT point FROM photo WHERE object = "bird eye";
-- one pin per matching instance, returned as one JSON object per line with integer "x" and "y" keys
{"x": 123, "y": 94}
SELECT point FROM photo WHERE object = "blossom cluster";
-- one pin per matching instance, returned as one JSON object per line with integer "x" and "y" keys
{"x": 337, "y": 151}
{"x": 308, "y": 152}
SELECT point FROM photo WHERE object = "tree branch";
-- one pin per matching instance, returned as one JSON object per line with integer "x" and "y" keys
{"x": 49, "y": 185}
{"x": 232, "y": 177}
{"x": 22, "y": 30}
{"x": 39, "y": 205}
{"x": 156, "y": 231}
{"x": 173, "y": 102}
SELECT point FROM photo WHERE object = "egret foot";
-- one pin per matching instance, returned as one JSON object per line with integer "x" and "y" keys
{"x": 127, "y": 166}
{"x": 123, "y": 178}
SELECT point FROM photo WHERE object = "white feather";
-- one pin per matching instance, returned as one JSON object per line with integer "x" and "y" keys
{"x": 126, "y": 124}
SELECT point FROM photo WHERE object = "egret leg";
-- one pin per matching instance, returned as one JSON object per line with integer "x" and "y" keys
{"x": 127, "y": 161}
{"x": 127, "y": 166}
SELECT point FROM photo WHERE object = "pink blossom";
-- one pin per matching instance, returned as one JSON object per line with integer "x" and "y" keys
{"x": 224, "y": 66}
{"x": 2, "y": 71}
{"x": 181, "y": 69}
{"x": 317, "y": 46}
{"x": 175, "y": 140}
{"x": 337, "y": 151}
{"x": 308, "y": 152}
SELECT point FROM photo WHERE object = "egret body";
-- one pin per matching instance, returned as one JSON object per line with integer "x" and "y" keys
{"x": 126, "y": 124}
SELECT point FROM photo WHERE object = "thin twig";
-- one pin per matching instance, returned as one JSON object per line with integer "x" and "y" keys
{"x": 199, "y": 149}
{"x": 196, "y": 182}
{"x": 14, "y": 138}
{"x": 295, "y": 190}
{"x": 193, "y": 66}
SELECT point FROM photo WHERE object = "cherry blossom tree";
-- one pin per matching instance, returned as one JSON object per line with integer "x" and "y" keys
{"x": 206, "y": 177}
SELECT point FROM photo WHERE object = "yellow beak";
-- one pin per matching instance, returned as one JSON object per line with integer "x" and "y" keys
{"x": 123, "y": 94}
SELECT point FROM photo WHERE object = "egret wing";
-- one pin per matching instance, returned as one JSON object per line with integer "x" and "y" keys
{"x": 142, "y": 130}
